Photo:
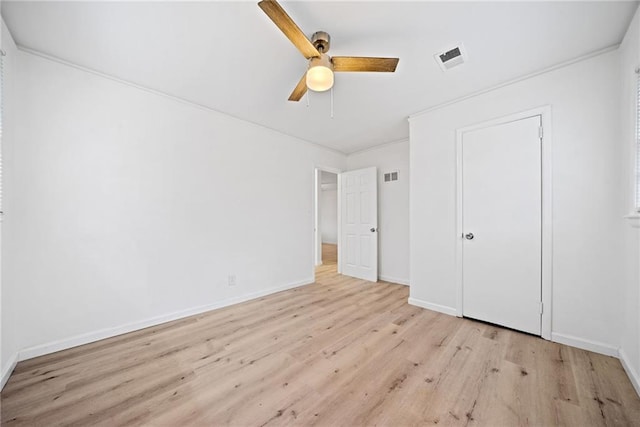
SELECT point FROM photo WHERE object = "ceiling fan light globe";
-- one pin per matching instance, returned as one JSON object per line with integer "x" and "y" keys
{"x": 319, "y": 78}
{"x": 320, "y": 73}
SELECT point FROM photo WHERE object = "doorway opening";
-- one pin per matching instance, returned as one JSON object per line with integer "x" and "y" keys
{"x": 326, "y": 221}
{"x": 346, "y": 221}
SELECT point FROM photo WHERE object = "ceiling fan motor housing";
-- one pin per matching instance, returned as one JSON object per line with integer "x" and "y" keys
{"x": 321, "y": 40}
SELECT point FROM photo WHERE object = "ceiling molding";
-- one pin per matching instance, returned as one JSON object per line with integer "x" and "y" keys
{"x": 376, "y": 147}
{"x": 517, "y": 80}
{"x": 169, "y": 96}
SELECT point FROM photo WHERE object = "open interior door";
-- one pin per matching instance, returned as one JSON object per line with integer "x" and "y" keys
{"x": 359, "y": 224}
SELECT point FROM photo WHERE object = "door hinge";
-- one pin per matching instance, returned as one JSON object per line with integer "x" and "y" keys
{"x": 540, "y": 132}
{"x": 541, "y": 308}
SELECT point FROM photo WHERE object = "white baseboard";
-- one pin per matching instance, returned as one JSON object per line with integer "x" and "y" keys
{"x": 628, "y": 368}
{"x": 394, "y": 280}
{"x": 7, "y": 370}
{"x": 595, "y": 346}
{"x": 434, "y": 307}
{"x": 63, "y": 344}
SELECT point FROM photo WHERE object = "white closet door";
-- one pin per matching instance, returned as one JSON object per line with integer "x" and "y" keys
{"x": 502, "y": 224}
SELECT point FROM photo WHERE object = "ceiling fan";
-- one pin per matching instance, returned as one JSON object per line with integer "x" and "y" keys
{"x": 319, "y": 75}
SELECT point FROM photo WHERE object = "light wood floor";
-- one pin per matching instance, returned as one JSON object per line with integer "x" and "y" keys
{"x": 329, "y": 255}
{"x": 338, "y": 352}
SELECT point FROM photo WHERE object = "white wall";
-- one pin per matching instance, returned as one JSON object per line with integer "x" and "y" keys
{"x": 127, "y": 207}
{"x": 329, "y": 214}
{"x": 588, "y": 195}
{"x": 8, "y": 342}
{"x": 630, "y": 333}
{"x": 393, "y": 207}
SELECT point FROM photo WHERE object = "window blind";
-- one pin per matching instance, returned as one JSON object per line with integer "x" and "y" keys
{"x": 637, "y": 169}
{"x": 2, "y": 55}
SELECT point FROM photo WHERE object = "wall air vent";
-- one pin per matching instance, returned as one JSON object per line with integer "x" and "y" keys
{"x": 391, "y": 176}
{"x": 451, "y": 57}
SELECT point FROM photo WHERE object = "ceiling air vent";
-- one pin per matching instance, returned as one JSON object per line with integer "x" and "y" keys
{"x": 451, "y": 57}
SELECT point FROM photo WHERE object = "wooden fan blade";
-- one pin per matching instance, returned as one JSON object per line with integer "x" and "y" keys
{"x": 300, "y": 90}
{"x": 289, "y": 28}
{"x": 363, "y": 63}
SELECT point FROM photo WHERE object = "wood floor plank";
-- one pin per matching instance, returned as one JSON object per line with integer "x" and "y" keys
{"x": 341, "y": 351}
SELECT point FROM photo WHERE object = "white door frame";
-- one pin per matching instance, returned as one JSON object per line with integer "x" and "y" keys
{"x": 547, "y": 226}
{"x": 315, "y": 226}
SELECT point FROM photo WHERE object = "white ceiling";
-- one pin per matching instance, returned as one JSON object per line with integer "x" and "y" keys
{"x": 230, "y": 57}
